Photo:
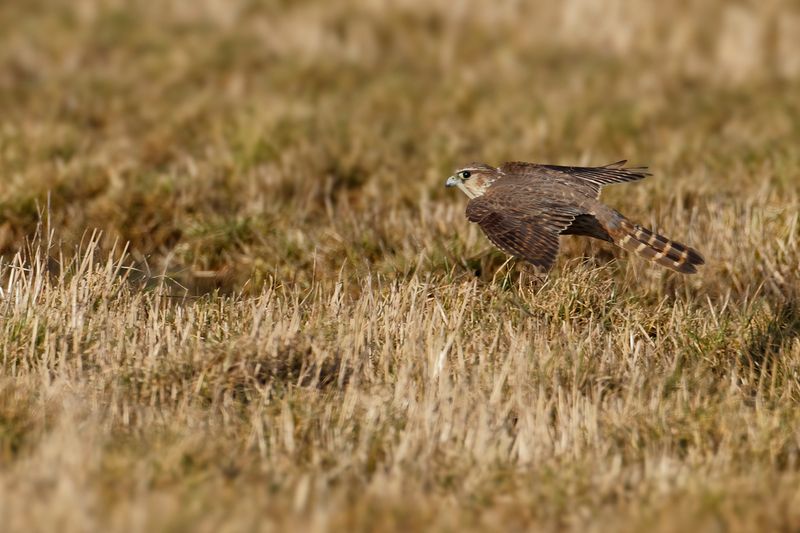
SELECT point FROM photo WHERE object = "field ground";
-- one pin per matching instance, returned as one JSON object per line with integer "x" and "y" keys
{"x": 303, "y": 331}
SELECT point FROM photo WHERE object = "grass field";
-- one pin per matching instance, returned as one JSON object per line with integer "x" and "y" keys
{"x": 237, "y": 297}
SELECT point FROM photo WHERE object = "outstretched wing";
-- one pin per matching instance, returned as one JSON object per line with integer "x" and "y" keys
{"x": 521, "y": 224}
{"x": 591, "y": 178}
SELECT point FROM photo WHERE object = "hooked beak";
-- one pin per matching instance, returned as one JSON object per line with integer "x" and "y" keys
{"x": 452, "y": 181}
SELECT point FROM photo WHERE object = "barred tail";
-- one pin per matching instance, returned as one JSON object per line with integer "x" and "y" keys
{"x": 657, "y": 248}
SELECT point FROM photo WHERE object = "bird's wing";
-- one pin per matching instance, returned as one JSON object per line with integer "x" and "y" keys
{"x": 520, "y": 223}
{"x": 592, "y": 178}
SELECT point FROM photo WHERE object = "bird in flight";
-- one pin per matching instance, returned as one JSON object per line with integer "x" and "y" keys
{"x": 524, "y": 207}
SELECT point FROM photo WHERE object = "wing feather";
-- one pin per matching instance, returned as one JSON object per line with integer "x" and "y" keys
{"x": 520, "y": 224}
{"x": 593, "y": 178}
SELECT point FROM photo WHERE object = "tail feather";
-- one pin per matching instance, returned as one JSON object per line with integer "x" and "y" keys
{"x": 657, "y": 248}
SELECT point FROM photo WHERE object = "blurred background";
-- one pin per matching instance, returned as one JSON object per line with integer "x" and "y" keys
{"x": 232, "y": 140}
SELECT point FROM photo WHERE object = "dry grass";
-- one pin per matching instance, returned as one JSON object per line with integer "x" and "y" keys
{"x": 304, "y": 331}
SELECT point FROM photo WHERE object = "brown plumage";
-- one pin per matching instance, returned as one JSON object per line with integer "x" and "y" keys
{"x": 523, "y": 208}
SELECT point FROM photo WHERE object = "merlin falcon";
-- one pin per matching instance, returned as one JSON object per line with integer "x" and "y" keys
{"x": 523, "y": 208}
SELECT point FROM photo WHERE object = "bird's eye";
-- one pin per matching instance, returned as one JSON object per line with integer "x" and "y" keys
{"x": 465, "y": 174}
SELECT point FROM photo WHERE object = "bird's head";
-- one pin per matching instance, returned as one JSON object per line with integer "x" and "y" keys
{"x": 473, "y": 179}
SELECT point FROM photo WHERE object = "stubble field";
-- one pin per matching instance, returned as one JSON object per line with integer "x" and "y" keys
{"x": 236, "y": 296}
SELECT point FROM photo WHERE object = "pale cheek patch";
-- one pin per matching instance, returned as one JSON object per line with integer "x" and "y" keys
{"x": 466, "y": 190}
